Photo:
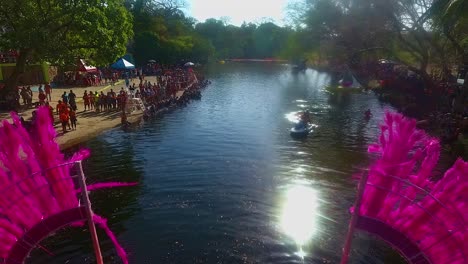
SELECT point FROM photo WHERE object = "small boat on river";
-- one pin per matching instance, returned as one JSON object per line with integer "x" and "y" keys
{"x": 303, "y": 127}
{"x": 346, "y": 84}
{"x": 301, "y": 130}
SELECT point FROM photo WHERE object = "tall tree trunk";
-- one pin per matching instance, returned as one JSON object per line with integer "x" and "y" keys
{"x": 10, "y": 94}
{"x": 20, "y": 67}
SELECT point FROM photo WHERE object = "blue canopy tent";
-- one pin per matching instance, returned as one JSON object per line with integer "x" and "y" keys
{"x": 122, "y": 64}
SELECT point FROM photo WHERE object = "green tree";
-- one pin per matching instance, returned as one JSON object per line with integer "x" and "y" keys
{"x": 216, "y": 33}
{"x": 448, "y": 11}
{"x": 162, "y": 31}
{"x": 301, "y": 45}
{"x": 246, "y": 41}
{"x": 61, "y": 31}
{"x": 246, "y": 35}
{"x": 268, "y": 40}
{"x": 409, "y": 31}
{"x": 202, "y": 50}
{"x": 451, "y": 18}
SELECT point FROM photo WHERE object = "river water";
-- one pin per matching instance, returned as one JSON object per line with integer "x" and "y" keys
{"x": 222, "y": 181}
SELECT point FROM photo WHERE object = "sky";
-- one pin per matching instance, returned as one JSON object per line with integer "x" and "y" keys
{"x": 238, "y": 11}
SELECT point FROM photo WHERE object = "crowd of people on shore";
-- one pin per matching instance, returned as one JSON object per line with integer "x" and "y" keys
{"x": 163, "y": 92}
{"x": 65, "y": 110}
{"x": 26, "y": 94}
{"x": 67, "y": 116}
{"x": 173, "y": 87}
{"x": 102, "y": 102}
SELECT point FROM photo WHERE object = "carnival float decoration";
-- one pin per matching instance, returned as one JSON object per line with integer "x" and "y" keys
{"x": 42, "y": 191}
{"x": 400, "y": 201}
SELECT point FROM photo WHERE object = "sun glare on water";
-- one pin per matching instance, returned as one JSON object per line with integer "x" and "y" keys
{"x": 293, "y": 117}
{"x": 299, "y": 214}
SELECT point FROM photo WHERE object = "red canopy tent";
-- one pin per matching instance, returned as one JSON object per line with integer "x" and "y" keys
{"x": 83, "y": 67}
{"x": 86, "y": 74}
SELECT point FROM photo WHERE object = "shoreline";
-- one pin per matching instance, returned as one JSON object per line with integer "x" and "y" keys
{"x": 101, "y": 124}
{"x": 109, "y": 121}
{"x": 90, "y": 124}
{"x": 75, "y": 139}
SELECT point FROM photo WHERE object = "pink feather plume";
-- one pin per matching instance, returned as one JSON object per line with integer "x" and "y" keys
{"x": 399, "y": 192}
{"x": 35, "y": 180}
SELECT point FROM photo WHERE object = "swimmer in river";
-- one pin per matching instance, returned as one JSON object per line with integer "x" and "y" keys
{"x": 305, "y": 117}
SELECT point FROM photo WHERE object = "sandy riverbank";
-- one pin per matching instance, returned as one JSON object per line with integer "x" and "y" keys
{"x": 89, "y": 124}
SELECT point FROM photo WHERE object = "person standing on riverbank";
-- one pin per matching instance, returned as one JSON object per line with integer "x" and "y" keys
{"x": 65, "y": 98}
{"x": 64, "y": 117}
{"x": 48, "y": 91}
{"x": 73, "y": 119}
{"x": 58, "y": 107}
{"x": 102, "y": 102}
{"x": 72, "y": 100}
{"x": 42, "y": 98}
{"x": 97, "y": 103}
{"x": 92, "y": 100}
{"x": 113, "y": 97}
{"x": 25, "y": 95}
{"x": 86, "y": 102}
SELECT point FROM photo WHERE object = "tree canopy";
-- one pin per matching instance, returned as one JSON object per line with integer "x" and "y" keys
{"x": 247, "y": 41}
{"x": 165, "y": 34}
{"x": 162, "y": 32}
{"x": 62, "y": 31}
{"x": 416, "y": 33}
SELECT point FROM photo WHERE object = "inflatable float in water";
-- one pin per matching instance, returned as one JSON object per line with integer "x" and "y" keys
{"x": 301, "y": 130}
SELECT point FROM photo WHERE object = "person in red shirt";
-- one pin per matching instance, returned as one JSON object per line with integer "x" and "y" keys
{"x": 61, "y": 107}
{"x": 57, "y": 107}
{"x": 48, "y": 91}
{"x": 64, "y": 118}
{"x": 42, "y": 98}
{"x": 123, "y": 100}
{"x": 86, "y": 101}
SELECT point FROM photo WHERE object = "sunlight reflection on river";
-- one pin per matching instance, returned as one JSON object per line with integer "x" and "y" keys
{"x": 293, "y": 117}
{"x": 299, "y": 214}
